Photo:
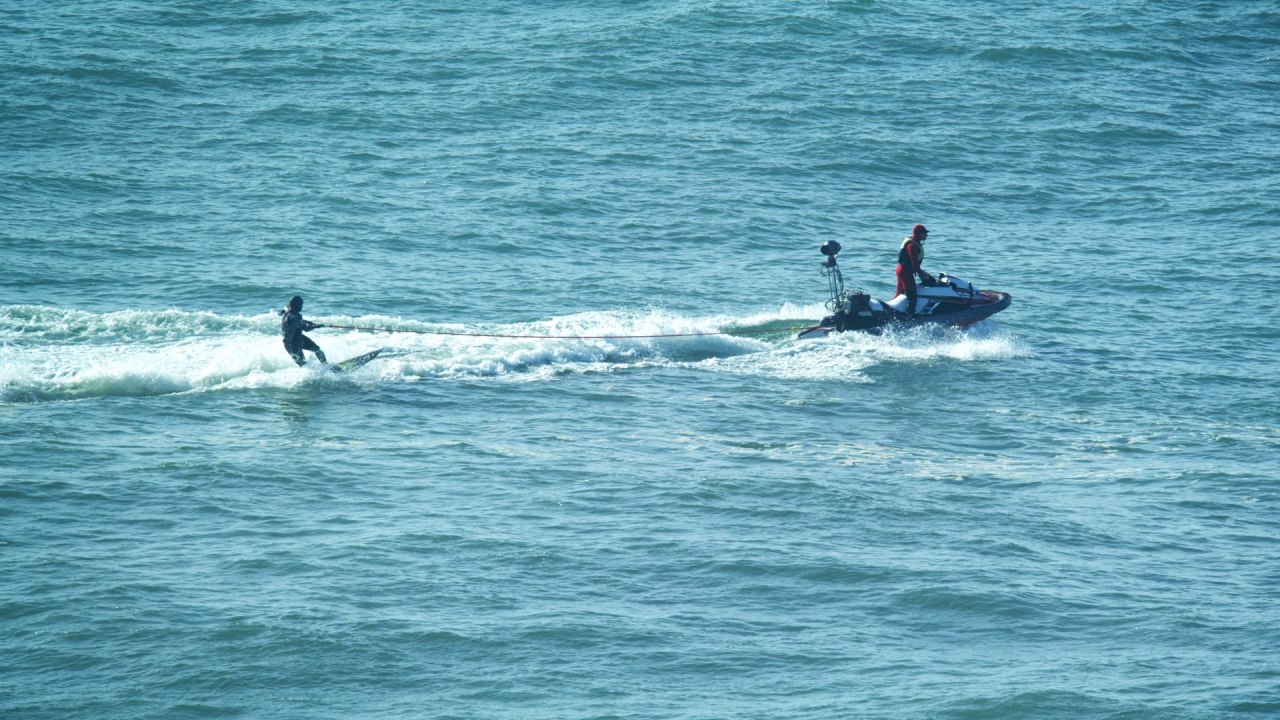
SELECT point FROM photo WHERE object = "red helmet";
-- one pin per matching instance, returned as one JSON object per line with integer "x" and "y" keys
{"x": 919, "y": 232}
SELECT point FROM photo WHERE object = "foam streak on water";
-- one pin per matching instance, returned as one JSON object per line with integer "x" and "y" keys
{"x": 65, "y": 355}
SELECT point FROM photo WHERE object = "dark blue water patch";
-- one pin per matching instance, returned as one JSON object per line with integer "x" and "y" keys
{"x": 1044, "y": 514}
{"x": 1054, "y": 704}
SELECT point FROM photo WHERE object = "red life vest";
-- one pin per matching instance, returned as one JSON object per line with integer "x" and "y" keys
{"x": 905, "y": 259}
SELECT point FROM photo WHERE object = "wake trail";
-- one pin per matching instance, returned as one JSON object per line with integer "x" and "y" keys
{"x": 53, "y": 354}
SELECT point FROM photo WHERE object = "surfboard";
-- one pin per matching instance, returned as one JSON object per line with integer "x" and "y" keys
{"x": 355, "y": 362}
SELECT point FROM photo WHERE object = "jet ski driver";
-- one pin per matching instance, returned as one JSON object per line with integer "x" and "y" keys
{"x": 291, "y": 326}
{"x": 910, "y": 255}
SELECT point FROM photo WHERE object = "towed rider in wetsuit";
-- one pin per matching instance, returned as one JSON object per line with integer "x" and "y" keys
{"x": 910, "y": 255}
{"x": 291, "y": 326}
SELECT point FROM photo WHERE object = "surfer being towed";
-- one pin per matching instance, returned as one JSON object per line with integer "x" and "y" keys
{"x": 292, "y": 326}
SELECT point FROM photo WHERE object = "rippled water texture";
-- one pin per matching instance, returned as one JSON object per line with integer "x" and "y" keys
{"x": 593, "y": 473}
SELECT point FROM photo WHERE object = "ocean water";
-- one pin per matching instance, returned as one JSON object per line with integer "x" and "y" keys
{"x": 594, "y": 475}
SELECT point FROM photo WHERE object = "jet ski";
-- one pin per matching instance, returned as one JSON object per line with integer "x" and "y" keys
{"x": 951, "y": 301}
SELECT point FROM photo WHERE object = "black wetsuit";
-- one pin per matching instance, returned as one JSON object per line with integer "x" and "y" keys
{"x": 291, "y": 326}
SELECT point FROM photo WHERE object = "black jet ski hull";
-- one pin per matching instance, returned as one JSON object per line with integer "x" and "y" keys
{"x": 874, "y": 316}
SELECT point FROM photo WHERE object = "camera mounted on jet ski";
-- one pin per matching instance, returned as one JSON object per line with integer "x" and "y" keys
{"x": 830, "y": 248}
{"x": 839, "y": 300}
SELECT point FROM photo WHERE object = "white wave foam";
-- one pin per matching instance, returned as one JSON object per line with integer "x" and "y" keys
{"x": 581, "y": 342}
{"x": 56, "y": 354}
{"x": 42, "y": 324}
{"x": 846, "y": 357}
{"x": 87, "y": 371}
{"x": 983, "y": 342}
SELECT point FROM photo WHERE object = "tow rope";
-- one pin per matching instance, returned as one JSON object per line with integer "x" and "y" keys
{"x": 565, "y": 337}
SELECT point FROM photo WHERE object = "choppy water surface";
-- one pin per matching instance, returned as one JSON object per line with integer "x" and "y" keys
{"x": 593, "y": 474}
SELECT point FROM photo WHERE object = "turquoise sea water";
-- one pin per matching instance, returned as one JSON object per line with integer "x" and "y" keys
{"x": 1068, "y": 511}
